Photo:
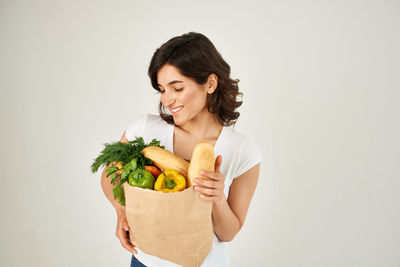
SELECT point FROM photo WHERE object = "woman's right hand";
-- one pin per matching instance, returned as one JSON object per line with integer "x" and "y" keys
{"x": 123, "y": 232}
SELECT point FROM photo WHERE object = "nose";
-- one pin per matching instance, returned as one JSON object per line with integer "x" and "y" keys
{"x": 167, "y": 99}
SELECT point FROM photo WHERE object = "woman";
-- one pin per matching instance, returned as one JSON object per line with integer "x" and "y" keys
{"x": 194, "y": 85}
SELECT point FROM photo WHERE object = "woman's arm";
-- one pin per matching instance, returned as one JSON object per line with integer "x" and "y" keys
{"x": 122, "y": 223}
{"x": 228, "y": 215}
{"x": 108, "y": 187}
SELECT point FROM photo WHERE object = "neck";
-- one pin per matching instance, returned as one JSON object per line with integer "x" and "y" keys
{"x": 203, "y": 127}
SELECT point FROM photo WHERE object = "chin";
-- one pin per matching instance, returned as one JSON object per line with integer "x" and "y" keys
{"x": 179, "y": 121}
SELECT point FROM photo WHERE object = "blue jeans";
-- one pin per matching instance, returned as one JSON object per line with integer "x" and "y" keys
{"x": 135, "y": 262}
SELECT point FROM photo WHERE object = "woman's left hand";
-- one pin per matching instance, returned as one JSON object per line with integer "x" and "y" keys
{"x": 211, "y": 189}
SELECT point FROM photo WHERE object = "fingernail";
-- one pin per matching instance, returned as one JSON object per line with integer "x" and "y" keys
{"x": 202, "y": 172}
{"x": 126, "y": 228}
{"x": 196, "y": 180}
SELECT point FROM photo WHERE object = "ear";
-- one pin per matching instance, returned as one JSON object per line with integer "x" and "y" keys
{"x": 212, "y": 83}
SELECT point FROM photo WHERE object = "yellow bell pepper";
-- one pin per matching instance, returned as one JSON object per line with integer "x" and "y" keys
{"x": 170, "y": 181}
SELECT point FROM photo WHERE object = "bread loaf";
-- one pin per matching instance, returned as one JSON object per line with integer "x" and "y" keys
{"x": 165, "y": 160}
{"x": 202, "y": 159}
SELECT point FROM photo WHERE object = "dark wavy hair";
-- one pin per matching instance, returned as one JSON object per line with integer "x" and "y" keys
{"x": 196, "y": 57}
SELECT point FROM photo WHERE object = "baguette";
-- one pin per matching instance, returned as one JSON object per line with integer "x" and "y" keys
{"x": 165, "y": 160}
{"x": 202, "y": 159}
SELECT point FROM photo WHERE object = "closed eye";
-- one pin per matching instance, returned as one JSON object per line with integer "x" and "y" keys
{"x": 176, "y": 90}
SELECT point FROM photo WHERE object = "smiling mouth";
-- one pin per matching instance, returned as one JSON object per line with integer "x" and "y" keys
{"x": 175, "y": 111}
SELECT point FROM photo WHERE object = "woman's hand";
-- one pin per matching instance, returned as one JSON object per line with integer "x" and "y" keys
{"x": 122, "y": 232}
{"x": 212, "y": 189}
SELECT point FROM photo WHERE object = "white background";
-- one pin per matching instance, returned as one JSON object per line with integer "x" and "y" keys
{"x": 321, "y": 89}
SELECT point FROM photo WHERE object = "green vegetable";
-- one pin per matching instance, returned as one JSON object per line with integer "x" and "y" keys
{"x": 128, "y": 168}
{"x": 124, "y": 152}
{"x": 141, "y": 178}
{"x": 130, "y": 154}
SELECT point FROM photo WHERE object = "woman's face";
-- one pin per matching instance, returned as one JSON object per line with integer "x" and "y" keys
{"x": 184, "y": 98}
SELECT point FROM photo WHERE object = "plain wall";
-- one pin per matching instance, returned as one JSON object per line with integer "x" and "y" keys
{"x": 320, "y": 83}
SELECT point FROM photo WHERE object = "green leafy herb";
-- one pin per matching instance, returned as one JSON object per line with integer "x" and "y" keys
{"x": 124, "y": 152}
{"x": 130, "y": 154}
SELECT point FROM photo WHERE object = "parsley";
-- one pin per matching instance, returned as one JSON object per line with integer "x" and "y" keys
{"x": 130, "y": 154}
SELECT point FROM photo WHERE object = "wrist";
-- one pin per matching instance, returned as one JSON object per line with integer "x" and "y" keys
{"x": 221, "y": 202}
{"x": 120, "y": 209}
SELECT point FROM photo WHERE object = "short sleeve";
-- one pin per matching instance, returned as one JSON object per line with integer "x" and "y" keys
{"x": 249, "y": 155}
{"x": 136, "y": 128}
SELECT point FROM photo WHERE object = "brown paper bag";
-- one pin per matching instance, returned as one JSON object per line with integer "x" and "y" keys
{"x": 173, "y": 226}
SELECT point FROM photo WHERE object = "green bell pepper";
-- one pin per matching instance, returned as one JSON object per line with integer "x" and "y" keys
{"x": 141, "y": 178}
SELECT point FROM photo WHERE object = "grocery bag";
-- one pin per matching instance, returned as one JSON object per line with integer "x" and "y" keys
{"x": 173, "y": 226}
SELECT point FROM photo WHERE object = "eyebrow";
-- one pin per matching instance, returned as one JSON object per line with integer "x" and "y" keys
{"x": 174, "y": 81}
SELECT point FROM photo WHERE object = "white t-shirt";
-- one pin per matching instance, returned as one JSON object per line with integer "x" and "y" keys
{"x": 239, "y": 154}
